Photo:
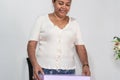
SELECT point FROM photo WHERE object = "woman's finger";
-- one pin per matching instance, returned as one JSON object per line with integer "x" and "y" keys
{"x": 41, "y": 71}
{"x": 35, "y": 76}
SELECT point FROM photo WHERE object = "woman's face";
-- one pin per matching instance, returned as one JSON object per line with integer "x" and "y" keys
{"x": 61, "y": 7}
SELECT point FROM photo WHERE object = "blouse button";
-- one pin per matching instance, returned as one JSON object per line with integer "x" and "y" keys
{"x": 57, "y": 66}
{"x": 59, "y": 50}
{"x": 58, "y": 56}
{"x": 57, "y": 60}
{"x": 59, "y": 40}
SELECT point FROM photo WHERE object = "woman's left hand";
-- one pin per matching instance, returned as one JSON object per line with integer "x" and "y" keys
{"x": 86, "y": 71}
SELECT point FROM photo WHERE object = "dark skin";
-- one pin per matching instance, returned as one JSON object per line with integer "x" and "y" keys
{"x": 81, "y": 50}
{"x": 31, "y": 47}
{"x": 58, "y": 17}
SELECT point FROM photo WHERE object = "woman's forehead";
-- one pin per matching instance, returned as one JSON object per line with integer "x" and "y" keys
{"x": 64, "y": 0}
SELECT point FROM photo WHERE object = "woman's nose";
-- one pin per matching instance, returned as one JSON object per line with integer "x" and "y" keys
{"x": 64, "y": 6}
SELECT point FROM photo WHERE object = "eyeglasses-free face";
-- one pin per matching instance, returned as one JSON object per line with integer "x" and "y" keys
{"x": 61, "y": 7}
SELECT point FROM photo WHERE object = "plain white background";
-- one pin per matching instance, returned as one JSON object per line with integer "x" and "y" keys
{"x": 99, "y": 22}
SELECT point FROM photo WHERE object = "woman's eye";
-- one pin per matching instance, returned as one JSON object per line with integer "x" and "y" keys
{"x": 61, "y": 3}
{"x": 67, "y": 4}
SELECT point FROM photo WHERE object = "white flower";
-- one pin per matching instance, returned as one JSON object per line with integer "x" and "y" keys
{"x": 118, "y": 47}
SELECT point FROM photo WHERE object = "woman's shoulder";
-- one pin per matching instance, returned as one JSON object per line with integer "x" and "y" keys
{"x": 41, "y": 18}
{"x": 73, "y": 20}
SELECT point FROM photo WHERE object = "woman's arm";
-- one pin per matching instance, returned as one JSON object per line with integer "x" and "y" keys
{"x": 31, "y": 49}
{"x": 82, "y": 53}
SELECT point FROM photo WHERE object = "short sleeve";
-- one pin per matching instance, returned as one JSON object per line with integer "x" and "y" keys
{"x": 78, "y": 37}
{"x": 35, "y": 32}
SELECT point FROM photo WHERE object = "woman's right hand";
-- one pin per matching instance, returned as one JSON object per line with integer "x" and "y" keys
{"x": 36, "y": 70}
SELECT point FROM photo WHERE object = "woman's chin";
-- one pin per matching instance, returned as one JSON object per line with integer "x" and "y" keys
{"x": 63, "y": 15}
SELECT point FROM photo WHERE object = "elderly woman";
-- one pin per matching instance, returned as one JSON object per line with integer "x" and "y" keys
{"x": 57, "y": 35}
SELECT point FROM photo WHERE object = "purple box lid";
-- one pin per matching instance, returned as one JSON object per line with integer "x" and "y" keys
{"x": 65, "y": 77}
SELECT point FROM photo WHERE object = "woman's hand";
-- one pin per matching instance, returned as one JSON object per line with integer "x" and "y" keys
{"x": 36, "y": 70}
{"x": 86, "y": 71}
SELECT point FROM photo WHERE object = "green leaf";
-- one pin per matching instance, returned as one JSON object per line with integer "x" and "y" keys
{"x": 117, "y": 38}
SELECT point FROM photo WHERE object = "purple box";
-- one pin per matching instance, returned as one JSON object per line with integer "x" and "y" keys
{"x": 65, "y": 77}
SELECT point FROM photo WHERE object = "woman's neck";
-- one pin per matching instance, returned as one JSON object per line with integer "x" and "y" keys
{"x": 59, "y": 18}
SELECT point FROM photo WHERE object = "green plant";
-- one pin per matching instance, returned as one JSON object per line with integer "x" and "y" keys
{"x": 116, "y": 47}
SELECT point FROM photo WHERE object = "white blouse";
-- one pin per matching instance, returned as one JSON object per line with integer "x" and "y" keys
{"x": 55, "y": 45}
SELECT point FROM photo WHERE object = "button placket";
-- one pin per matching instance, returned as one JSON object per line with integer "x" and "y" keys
{"x": 59, "y": 41}
{"x": 57, "y": 62}
{"x": 58, "y": 50}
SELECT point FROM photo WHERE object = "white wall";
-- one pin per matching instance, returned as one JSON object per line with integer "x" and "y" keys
{"x": 99, "y": 20}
